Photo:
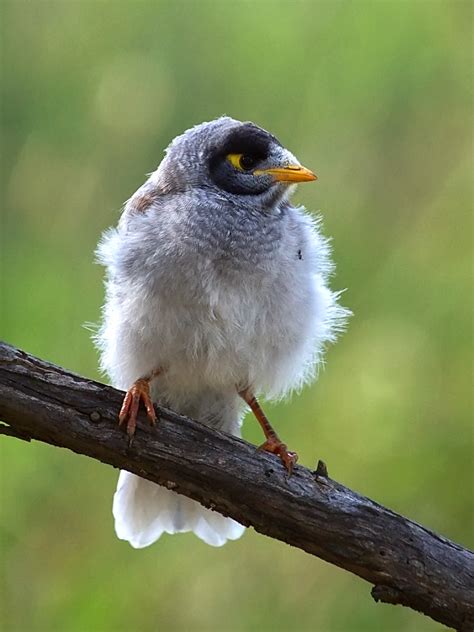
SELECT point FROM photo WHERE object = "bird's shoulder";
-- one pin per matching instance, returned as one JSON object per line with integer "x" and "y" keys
{"x": 147, "y": 197}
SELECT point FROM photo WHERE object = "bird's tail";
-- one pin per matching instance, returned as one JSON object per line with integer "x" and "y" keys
{"x": 144, "y": 510}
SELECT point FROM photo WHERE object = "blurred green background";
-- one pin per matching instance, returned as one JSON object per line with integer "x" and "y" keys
{"x": 375, "y": 97}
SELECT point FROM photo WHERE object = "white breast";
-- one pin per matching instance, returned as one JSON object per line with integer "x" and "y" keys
{"x": 265, "y": 329}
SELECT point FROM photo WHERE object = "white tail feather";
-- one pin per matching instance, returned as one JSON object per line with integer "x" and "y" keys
{"x": 143, "y": 511}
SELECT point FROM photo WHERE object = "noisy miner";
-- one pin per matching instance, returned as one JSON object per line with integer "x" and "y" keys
{"x": 216, "y": 292}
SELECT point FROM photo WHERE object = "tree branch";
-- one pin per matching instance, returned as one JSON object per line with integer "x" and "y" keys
{"x": 408, "y": 564}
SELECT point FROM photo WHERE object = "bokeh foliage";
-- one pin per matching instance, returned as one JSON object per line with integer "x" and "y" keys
{"x": 375, "y": 96}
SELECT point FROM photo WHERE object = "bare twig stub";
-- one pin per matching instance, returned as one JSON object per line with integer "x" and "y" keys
{"x": 406, "y": 563}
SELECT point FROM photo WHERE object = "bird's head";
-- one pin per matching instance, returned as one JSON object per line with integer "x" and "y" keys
{"x": 239, "y": 161}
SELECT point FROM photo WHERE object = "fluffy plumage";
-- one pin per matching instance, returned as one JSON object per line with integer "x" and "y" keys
{"x": 212, "y": 274}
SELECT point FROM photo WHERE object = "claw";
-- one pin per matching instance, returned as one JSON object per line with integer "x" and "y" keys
{"x": 140, "y": 391}
{"x": 275, "y": 446}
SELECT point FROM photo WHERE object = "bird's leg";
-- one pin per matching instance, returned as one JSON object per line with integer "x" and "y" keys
{"x": 140, "y": 390}
{"x": 273, "y": 443}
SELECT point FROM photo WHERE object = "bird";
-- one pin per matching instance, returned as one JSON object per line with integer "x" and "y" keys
{"x": 216, "y": 294}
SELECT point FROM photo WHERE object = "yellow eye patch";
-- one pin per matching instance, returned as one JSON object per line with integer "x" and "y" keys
{"x": 235, "y": 159}
{"x": 243, "y": 162}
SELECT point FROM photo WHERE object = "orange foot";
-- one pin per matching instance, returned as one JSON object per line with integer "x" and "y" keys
{"x": 140, "y": 390}
{"x": 275, "y": 446}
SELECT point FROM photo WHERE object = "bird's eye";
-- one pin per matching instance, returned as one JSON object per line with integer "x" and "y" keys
{"x": 243, "y": 162}
{"x": 247, "y": 163}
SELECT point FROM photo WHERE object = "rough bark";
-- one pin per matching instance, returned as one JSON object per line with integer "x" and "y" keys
{"x": 406, "y": 563}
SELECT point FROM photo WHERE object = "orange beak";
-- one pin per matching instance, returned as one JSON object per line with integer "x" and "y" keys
{"x": 289, "y": 173}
